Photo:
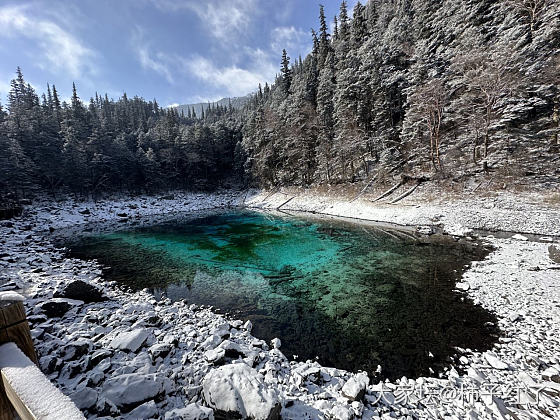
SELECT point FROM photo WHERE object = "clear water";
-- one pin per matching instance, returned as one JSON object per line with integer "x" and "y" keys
{"x": 353, "y": 296}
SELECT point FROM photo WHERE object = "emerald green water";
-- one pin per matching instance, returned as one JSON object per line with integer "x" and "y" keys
{"x": 353, "y": 296}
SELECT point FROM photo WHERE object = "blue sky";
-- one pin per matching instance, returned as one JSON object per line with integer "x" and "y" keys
{"x": 177, "y": 51}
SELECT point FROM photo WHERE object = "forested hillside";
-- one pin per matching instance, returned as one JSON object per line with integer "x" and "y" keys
{"x": 415, "y": 86}
{"x": 425, "y": 88}
{"x": 125, "y": 145}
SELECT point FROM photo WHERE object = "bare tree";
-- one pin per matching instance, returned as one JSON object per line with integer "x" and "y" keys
{"x": 427, "y": 106}
{"x": 489, "y": 79}
{"x": 531, "y": 10}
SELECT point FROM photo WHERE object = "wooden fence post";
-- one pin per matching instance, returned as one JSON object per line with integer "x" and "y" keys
{"x": 14, "y": 328}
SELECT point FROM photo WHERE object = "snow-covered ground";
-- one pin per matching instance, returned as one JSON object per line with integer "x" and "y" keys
{"x": 135, "y": 357}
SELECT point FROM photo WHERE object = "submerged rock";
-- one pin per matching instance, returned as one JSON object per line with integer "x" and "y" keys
{"x": 238, "y": 390}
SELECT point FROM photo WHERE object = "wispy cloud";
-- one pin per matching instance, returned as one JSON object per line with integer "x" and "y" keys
{"x": 225, "y": 19}
{"x": 158, "y": 61}
{"x": 290, "y": 38}
{"x": 233, "y": 80}
{"x": 59, "y": 50}
{"x": 4, "y": 89}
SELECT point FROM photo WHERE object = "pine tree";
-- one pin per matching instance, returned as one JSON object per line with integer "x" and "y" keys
{"x": 286, "y": 72}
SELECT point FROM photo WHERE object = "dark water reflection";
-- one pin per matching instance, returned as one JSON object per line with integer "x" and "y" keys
{"x": 354, "y": 296}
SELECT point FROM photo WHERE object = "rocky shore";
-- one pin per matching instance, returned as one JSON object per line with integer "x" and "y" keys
{"x": 128, "y": 355}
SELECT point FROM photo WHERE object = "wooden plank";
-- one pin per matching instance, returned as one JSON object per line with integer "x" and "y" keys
{"x": 30, "y": 392}
{"x": 22, "y": 410}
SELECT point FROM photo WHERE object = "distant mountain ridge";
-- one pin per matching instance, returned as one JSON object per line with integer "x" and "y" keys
{"x": 236, "y": 102}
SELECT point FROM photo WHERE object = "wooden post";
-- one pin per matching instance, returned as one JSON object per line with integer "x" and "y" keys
{"x": 14, "y": 328}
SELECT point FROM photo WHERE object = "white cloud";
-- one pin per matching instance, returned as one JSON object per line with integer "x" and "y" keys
{"x": 233, "y": 80}
{"x": 225, "y": 19}
{"x": 290, "y": 38}
{"x": 4, "y": 89}
{"x": 158, "y": 61}
{"x": 59, "y": 49}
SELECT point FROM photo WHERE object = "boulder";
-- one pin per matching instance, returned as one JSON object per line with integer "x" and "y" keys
{"x": 160, "y": 350}
{"x": 80, "y": 290}
{"x": 554, "y": 253}
{"x": 57, "y": 307}
{"x": 190, "y": 412}
{"x": 76, "y": 349}
{"x": 355, "y": 388}
{"x": 147, "y": 410}
{"x": 493, "y": 361}
{"x": 276, "y": 343}
{"x": 84, "y": 398}
{"x": 239, "y": 391}
{"x": 130, "y": 340}
{"x": 131, "y": 389}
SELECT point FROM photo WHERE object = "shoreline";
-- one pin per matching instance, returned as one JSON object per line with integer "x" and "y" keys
{"x": 517, "y": 281}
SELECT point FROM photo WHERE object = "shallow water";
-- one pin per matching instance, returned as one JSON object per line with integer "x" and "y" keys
{"x": 353, "y": 296}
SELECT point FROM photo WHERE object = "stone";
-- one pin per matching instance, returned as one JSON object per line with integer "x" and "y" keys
{"x": 57, "y": 307}
{"x": 99, "y": 355}
{"x": 76, "y": 349}
{"x": 276, "y": 343}
{"x": 160, "y": 350}
{"x": 493, "y": 361}
{"x": 554, "y": 253}
{"x": 147, "y": 410}
{"x": 84, "y": 398}
{"x": 339, "y": 412}
{"x": 215, "y": 355}
{"x": 190, "y": 412}
{"x": 80, "y": 290}
{"x": 130, "y": 340}
{"x": 131, "y": 389}
{"x": 355, "y": 388}
{"x": 239, "y": 390}
{"x": 519, "y": 237}
{"x": 463, "y": 286}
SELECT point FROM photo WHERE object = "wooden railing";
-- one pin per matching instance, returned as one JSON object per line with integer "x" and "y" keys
{"x": 24, "y": 389}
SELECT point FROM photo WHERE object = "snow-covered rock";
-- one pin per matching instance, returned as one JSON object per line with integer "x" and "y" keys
{"x": 80, "y": 290}
{"x": 355, "y": 388}
{"x": 130, "y": 340}
{"x": 132, "y": 389}
{"x": 84, "y": 398}
{"x": 463, "y": 286}
{"x": 494, "y": 361}
{"x": 276, "y": 343}
{"x": 147, "y": 410}
{"x": 192, "y": 411}
{"x": 239, "y": 390}
{"x": 57, "y": 307}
